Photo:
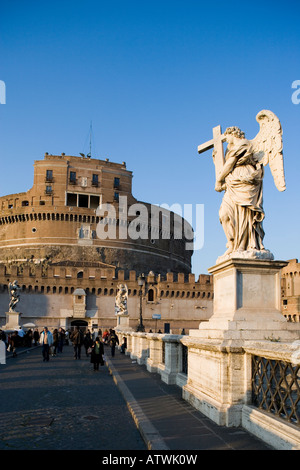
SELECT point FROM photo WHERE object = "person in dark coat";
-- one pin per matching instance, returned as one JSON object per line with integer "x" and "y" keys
{"x": 97, "y": 353}
{"x": 88, "y": 341}
{"x": 36, "y": 337}
{"x": 77, "y": 340}
{"x": 113, "y": 341}
{"x": 55, "y": 341}
{"x": 60, "y": 340}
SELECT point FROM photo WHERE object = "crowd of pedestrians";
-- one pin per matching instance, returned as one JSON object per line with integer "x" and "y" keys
{"x": 53, "y": 342}
{"x": 16, "y": 339}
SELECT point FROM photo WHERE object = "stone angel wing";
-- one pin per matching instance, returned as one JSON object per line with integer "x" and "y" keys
{"x": 267, "y": 146}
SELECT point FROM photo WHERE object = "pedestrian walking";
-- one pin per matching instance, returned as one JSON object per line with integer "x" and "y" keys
{"x": 21, "y": 334}
{"x": 55, "y": 342}
{"x": 105, "y": 336}
{"x": 87, "y": 341}
{"x": 36, "y": 337}
{"x": 46, "y": 340}
{"x": 61, "y": 340}
{"x": 97, "y": 353}
{"x": 3, "y": 338}
{"x": 67, "y": 336}
{"x": 28, "y": 338}
{"x": 77, "y": 340}
{"x": 113, "y": 341}
{"x": 13, "y": 343}
{"x": 124, "y": 345}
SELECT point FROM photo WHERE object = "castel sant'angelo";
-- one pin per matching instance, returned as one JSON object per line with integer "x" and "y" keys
{"x": 78, "y": 234}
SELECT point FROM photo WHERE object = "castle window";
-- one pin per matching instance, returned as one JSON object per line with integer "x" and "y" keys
{"x": 73, "y": 177}
{"x": 49, "y": 175}
{"x": 83, "y": 200}
{"x": 25, "y": 203}
{"x": 95, "y": 180}
{"x": 48, "y": 189}
{"x": 71, "y": 199}
{"x": 94, "y": 202}
{"x": 116, "y": 183}
{"x": 116, "y": 197}
{"x": 80, "y": 275}
{"x": 150, "y": 295}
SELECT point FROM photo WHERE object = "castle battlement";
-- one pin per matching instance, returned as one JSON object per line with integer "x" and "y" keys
{"x": 41, "y": 278}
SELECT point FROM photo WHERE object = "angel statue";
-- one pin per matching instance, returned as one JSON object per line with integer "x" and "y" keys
{"x": 240, "y": 175}
{"x": 121, "y": 300}
{"x": 13, "y": 288}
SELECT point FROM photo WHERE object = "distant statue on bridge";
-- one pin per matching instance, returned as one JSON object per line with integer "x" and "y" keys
{"x": 121, "y": 300}
{"x": 13, "y": 289}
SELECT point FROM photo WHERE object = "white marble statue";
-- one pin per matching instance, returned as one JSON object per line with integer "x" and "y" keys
{"x": 121, "y": 300}
{"x": 240, "y": 175}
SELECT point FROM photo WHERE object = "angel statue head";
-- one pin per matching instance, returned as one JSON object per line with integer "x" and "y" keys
{"x": 234, "y": 131}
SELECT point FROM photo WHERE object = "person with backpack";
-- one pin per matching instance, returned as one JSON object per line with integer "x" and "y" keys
{"x": 77, "y": 341}
{"x": 97, "y": 353}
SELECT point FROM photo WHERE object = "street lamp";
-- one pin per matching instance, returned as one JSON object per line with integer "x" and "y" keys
{"x": 141, "y": 283}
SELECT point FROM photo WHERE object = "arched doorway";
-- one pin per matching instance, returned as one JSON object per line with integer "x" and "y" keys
{"x": 81, "y": 323}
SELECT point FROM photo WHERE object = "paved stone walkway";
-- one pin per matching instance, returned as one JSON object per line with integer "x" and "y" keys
{"x": 65, "y": 405}
{"x": 166, "y": 420}
{"x": 62, "y": 404}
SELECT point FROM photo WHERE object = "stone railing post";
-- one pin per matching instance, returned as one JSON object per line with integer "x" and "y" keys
{"x": 129, "y": 344}
{"x": 171, "y": 366}
{"x": 134, "y": 346}
{"x": 143, "y": 350}
{"x": 155, "y": 352}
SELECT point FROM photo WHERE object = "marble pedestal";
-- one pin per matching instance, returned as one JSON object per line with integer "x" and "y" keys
{"x": 246, "y": 308}
{"x": 12, "y": 320}
{"x": 246, "y": 302}
{"x": 123, "y": 321}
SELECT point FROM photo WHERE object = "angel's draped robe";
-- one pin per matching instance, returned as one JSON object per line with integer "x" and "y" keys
{"x": 241, "y": 212}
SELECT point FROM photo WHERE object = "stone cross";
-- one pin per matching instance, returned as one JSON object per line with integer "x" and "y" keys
{"x": 217, "y": 144}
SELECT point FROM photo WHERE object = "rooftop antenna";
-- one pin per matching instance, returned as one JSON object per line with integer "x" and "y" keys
{"x": 89, "y": 155}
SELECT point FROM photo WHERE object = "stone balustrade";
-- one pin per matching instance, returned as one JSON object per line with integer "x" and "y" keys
{"x": 165, "y": 354}
{"x": 160, "y": 353}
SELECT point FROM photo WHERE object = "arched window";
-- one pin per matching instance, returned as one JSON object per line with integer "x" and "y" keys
{"x": 150, "y": 295}
{"x": 80, "y": 275}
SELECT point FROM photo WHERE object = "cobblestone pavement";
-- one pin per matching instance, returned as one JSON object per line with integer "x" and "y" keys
{"x": 62, "y": 405}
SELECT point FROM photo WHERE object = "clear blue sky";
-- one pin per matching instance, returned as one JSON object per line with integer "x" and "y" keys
{"x": 154, "y": 77}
